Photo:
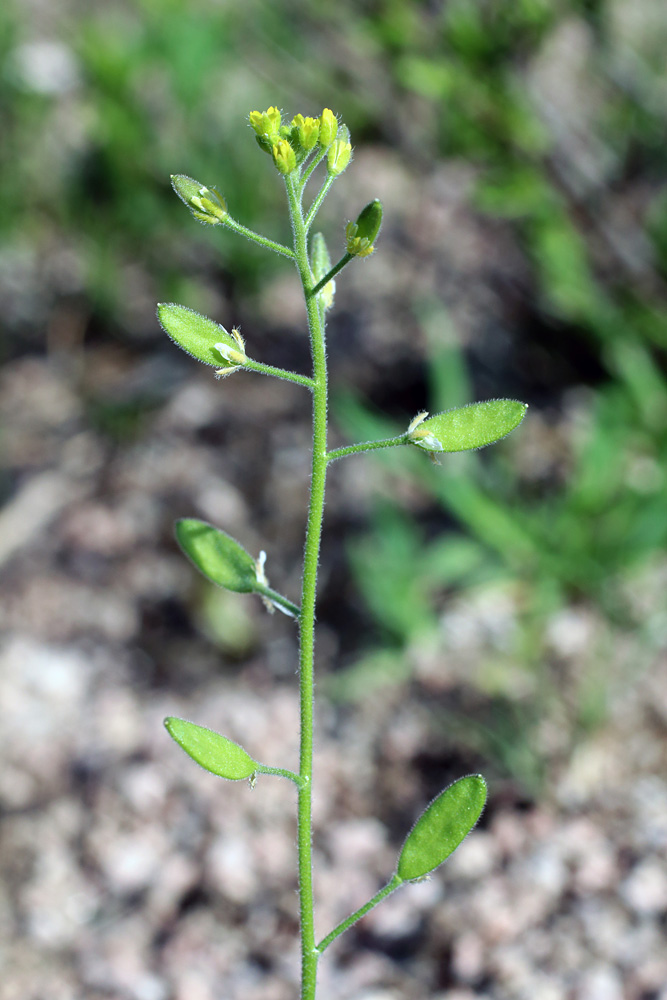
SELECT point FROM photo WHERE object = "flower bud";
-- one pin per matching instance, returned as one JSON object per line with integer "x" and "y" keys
{"x": 338, "y": 157}
{"x": 206, "y": 204}
{"x": 267, "y": 126}
{"x": 361, "y": 235}
{"x": 284, "y": 156}
{"x": 306, "y": 131}
{"x": 328, "y": 128}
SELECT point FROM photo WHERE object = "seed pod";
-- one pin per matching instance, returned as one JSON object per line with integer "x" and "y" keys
{"x": 212, "y": 751}
{"x": 467, "y": 427}
{"x": 200, "y": 336}
{"x": 443, "y": 825}
{"x": 361, "y": 235}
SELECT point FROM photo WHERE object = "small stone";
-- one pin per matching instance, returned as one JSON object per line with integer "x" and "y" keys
{"x": 645, "y": 888}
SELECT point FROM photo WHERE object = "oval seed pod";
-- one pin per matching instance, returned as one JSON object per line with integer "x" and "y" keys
{"x": 361, "y": 235}
{"x": 217, "y": 555}
{"x": 443, "y": 825}
{"x": 200, "y": 336}
{"x": 212, "y": 751}
{"x": 467, "y": 427}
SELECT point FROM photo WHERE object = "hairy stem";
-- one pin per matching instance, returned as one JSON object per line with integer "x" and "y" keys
{"x": 345, "y": 259}
{"x": 258, "y": 366}
{"x": 319, "y": 198}
{"x": 319, "y": 156}
{"x": 309, "y": 953}
{"x": 279, "y": 772}
{"x": 357, "y": 449}
{"x": 256, "y": 238}
{"x": 358, "y": 914}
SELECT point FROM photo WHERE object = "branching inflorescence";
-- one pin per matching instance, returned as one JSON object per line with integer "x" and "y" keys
{"x": 297, "y": 148}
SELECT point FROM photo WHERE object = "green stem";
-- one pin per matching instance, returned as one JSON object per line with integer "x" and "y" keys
{"x": 362, "y": 911}
{"x": 280, "y": 772}
{"x": 257, "y": 366}
{"x": 321, "y": 195}
{"x": 345, "y": 259}
{"x": 284, "y": 604}
{"x": 256, "y": 238}
{"x": 306, "y": 175}
{"x": 357, "y": 449}
{"x": 309, "y": 953}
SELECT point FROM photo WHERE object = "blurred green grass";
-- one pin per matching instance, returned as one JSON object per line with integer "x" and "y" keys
{"x": 559, "y": 112}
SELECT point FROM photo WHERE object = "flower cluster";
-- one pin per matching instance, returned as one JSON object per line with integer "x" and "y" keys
{"x": 291, "y": 143}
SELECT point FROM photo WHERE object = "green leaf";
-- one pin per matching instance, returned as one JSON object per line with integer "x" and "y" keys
{"x": 218, "y": 556}
{"x": 195, "y": 333}
{"x": 443, "y": 825}
{"x": 215, "y": 753}
{"x": 469, "y": 427}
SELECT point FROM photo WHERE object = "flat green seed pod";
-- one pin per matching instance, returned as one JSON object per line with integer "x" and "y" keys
{"x": 469, "y": 427}
{"x": 195, "y": 333}
{"x": 369, "y": 221}
{"x": 441, "y": 827}
{"x": 215, "y": 753}
{"x": 218, "y": 556}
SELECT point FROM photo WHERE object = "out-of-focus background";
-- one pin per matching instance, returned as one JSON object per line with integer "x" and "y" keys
{"x": 504, "y": 612}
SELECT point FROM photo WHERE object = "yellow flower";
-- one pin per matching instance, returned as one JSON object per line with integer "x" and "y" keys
{"x": 284, "y": 156}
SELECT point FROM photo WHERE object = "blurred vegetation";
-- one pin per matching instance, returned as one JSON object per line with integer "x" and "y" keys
{"x": 559, "y": 108}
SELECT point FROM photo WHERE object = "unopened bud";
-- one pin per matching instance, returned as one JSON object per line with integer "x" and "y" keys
{"x": 361, "y": 235}
{"x": 284, "y": 156}
{"x": 267, "y": 126}
{"x": 328, "y": 128}
{"x": 306, "y": 131}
